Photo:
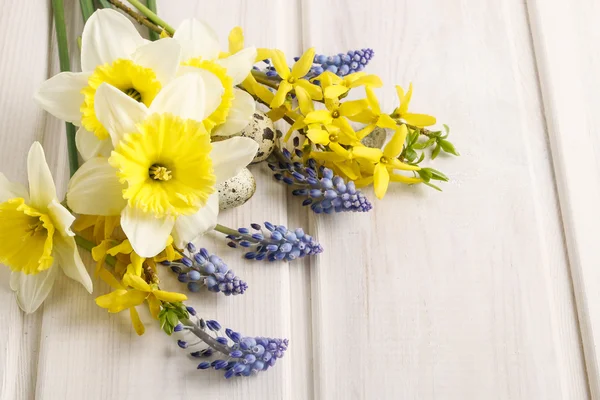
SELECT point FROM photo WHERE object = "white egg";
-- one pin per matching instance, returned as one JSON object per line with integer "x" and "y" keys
{"x": 375, "y": 139}
{"x": 237, "y": 190}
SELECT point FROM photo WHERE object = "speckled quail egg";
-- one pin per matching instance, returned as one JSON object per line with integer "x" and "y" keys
{"x": 237, "y": 190}
{"x": 375, "y": 139}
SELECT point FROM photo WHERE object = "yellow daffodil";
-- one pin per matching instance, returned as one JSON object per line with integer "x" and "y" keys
{"x": 386, "y": 160}
{"x": 232, "y": 108}
{"x": 161, "y": 176}
{"x": 292, "y": 80}
{"x": 373, "y": 117}
{"x": 334, "y": 86}
{"x": 36, "y": 240}
{"x": 419, "y": 120}
{"x": 112, "y": 52}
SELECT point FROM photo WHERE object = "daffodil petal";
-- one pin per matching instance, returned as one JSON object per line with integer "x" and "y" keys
{"x": 32, "y": 289}
{"x": 279, "y": 99}
{"x": 394, "y": 147}
{"x": 420, "y": 120}
{"x": 239, "y": 115}
{"x": 161, "y": 56}
{"x": 69, "y": 260}
{"x": 41, "y": 185}
{"x": 280, "y": 64}
{"x": 147, "y": 233}
{"x": 95, "y": 189}
{"x": 10, "y": 190}
{"x": 62, "y": 219}
{"x": 238, "y": 65}
{"x": 118, "y": 112}
{"x": 230, "y": 156}
{"x": 368, "y": 153}
{"x": 188, "y": 228}
{"x": 313, "y": 90}
{"x": 89, "y": 145}
{"x": 303, "y": 65}
{"x": 61, "y": 95}
{"x": 107, "y": 36}
{"x": 197, "y": 39}
{"x": 381, "y": 180}
{"x": 184, "y": 97}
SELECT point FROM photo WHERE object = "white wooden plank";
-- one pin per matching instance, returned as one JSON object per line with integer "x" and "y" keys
{"x": 464, "y": 294}
{"x": 568, "y": 55}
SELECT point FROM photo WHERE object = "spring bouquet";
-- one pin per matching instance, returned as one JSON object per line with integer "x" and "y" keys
{"x": 164, "y": 129}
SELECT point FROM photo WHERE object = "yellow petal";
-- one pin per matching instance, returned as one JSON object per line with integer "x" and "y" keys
{"x": 318, "y": 136}
{"x": 368, "y": 80}
{"x": 169, "y": 296}
{"x": 339, "y": 150}
{"x": 363, "y": 182}
{"x": 394, "y": 147}
{"x": 84, "y": 222}
{"x": 368, "y": 153}
{"x": 279, "y": 99}
{"x": 303, "y": 65}
{"x": 405, "y": 179}
{"x": 419, "y": 120}
{"x": 318, "y": 117}
{"x": 313, "y": 90}
{"x": 326, "y": 156}
{"x": 364, "y": 132}
{"x": 110, "y": 279}
{"x": 405, "y": 101}
{"x": 280, "y": 64}
{"x": 334, "y": 91}
{"x": 136, "y": 321}
{"x": 373, "y": 101}
{"x": 236, "y": 40}
{"x": 348, "y": 168}
{"x": 304, "y": 101}
{"x": 99, "y": 251}
{"x": 137, "y": 263}
{"x": 349, "y": 108}
{"x": 385, "y": 121}
{"x": 120, "y": 300}
{"x": 263, "y": 54}
{"x": 397, "y": 164}
{"x": 136, "y": 282}
{"x": 110, "y": 223}
{"x": 328, "y": 78}
{"x": 154, "y": 306}
{"x": 109, "y": 300}
{"x": 365, "y": 117}
{"x": 381, "y": 180}
{"x": 298, "y": 124}
{"x": 122, "y": 248}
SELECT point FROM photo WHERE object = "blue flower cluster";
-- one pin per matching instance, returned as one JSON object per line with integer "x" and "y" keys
{"x": 237, "y": 355}
{"x": 276, "y": 243}
{"x": 201, "y": 268}
{"x": 324, "y": 192}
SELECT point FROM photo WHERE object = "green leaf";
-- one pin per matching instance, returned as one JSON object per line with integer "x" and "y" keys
{"x": 420, "y": 158}
{"x": 431, "y": 185}
{"x": 435, "y": 134}
{"x": 435, "y": 151}
{"x": 437, "y": 175}
{"x": 424, "y": 174}
{"x": 411, "y": 155}
{"x": 447, "y": 129}
{"x": 413, "y": 137}
{"x": 424, "y": 145}
{"x": 448, "y": 147}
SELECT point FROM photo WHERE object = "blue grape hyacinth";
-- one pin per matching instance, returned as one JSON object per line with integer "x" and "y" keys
{"x": 233, "y": 353}
{"x": 323, "y": 191}
{"x": 276, "y": 242}
{"x": 199, "y": 268}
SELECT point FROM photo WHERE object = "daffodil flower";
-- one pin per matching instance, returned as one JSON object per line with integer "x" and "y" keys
{"x": 419, "y": 120}
{"x": 161, "y": 176}
{"x": 292, "y": 80}
{"x": 233, "y": 108}
{"x": 386, "y": 160}
{"x": 334, "y": 86}
{"x": 113, "y": 52}
{"x": 373, "y": 117}
{"x": 36, "y": 240}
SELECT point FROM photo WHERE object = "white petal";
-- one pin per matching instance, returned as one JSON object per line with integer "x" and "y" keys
{"x": 213, "y": 89}
{"x": 161, "y": 56}
{"x": 62, "y": 219}
{"x": 183, "y": 97}
{"x": 147, "y": 233}
{"x": 238, "y": 65}
{"x": 10, "y": 190}
{"x": 197, "y": 39}
{"x": 95, "y": 189}
{"x": 41, "y": 185}
{"x": 32, "y": 290}
{"x": 239, "y": 116}
{"x": 107, "y": 36}
{"x": 70, "y": 261}
{"x": 117, "y": 112}
{"x": 61, "y": 95}
{"x": 189, "y": 227}
{"x": 231, "y": 156}
{"x": 90, "y": 146}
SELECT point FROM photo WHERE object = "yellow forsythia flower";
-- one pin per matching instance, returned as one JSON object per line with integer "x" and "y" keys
{"x": 292, "y": 80}
{"x": 419, "y": 120}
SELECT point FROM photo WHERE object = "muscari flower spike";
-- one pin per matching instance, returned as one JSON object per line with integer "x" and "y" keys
{"x": 201, "y": 268}
{"x": 340, "y": 64}
{"x": 276, "y": 243}
{"x": 233, "y": 353}
{"x": 324, "y": 191}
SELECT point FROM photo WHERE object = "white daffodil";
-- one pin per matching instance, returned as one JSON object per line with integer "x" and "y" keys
{"x": 161, "y": 176}
{"x": 113, "y": 52}
{"x": 233, "y": 108}
{"x": 35, "y": 235}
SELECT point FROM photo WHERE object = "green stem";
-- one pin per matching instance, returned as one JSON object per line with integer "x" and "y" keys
{"x": 152, "y": 16}
{"x": 261, "y": 77}
{"x": 87, "y": 245}
{"x": 104, "y": 3}
{"x": 87, "y": 9}
{"x": 152, "y": 7}
{"x": 225, "y": 230}
{"x": 65, "y": 65}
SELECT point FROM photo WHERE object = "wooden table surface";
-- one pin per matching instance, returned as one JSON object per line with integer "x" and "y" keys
{"x": 489, "y": 290}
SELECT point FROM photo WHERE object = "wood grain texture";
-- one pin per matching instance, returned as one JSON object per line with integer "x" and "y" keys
{"x": 465, "y": 294}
